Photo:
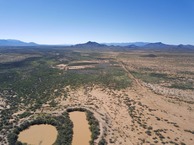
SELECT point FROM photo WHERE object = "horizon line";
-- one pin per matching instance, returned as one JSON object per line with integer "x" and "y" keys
{"x": 68, "y": 44}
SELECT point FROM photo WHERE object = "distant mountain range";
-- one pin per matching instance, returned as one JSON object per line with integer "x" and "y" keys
{"x": 12, "y": 42}
{"x": 127, "y": 44}
{"x": 124, "y": 46}
{"x": 162, "y": 46}
{"x": 135, "y": 45}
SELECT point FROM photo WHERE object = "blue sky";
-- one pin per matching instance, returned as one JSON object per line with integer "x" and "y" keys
{"x": 77, "y": 21}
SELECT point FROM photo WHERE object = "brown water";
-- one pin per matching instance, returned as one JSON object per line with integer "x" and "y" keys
{"x": 81, "y": 132}
{"x": 39, "y": 135}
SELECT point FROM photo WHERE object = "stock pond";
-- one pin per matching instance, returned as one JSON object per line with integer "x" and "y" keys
{"x": 45, "y": 134}
{"x": 81, "y": 131}
{"x": 39, "y": 135}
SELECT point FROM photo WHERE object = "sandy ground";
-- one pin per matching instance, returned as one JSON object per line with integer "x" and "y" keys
{"x": 136, "y": 115}
{"x": 133, "y": 116}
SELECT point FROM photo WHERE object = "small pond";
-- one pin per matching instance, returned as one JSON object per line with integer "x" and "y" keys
{"x": 43, "y": 134}
{"x": 81, "y": 131}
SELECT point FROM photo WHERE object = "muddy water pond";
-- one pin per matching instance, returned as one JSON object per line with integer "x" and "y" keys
{"x": 81, "y": 131}
{"x": 39, "y": 135}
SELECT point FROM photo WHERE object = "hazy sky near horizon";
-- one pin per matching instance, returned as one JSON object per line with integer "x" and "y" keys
{"x": 78, "y": 21}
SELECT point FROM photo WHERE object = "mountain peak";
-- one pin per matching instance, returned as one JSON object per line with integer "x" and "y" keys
{"x": 159, "y": 43}
{"x": 90, "y": 44}
{"x": 156, "y": 45}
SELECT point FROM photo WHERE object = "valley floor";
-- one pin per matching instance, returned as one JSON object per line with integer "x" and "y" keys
{"x": 153, "y": 102}
{"x": 135, "y": 115}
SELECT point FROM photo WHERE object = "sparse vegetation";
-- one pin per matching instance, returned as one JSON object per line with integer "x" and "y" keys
{"x": 151, "y": 77}
{"x": 132, "y": 93}
{"x": 183, "y": 86}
